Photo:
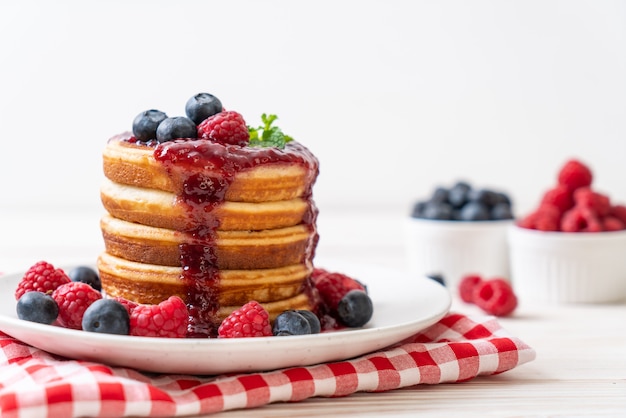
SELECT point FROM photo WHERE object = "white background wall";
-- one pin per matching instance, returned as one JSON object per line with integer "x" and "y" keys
{"x": 393, "y": 96}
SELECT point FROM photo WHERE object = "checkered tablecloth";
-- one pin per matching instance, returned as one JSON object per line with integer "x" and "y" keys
{"x": 34, "y": 383}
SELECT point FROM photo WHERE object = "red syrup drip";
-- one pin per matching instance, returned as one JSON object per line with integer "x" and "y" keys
{"x": 205, "y": 170}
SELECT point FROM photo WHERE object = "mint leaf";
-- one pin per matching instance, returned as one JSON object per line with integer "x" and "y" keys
{"x": 267, "y": 135}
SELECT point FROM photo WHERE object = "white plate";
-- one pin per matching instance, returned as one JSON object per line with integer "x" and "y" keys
{"x": 403, "y": 305}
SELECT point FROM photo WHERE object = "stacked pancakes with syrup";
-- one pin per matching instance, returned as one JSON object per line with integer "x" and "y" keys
{"x": 214, "y": 223}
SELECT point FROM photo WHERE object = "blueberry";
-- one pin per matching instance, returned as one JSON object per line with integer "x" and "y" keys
{"x": 440, "y": 195}
{"x": 484, "y": 196}
{"x": 106, "y": 316}
{"x": 314, "y": 321}
{"x": 176, "y": 127}
{"x": 502, "y": 198}
{"x": 439, "y": 211}
{"x": 474, "y": 211}
{"x": 437, "y": 277}
{"x": 145, "y": 124}
{"x": 201, "y": 106}
{"x": 291, "y": 322}
{"x": 86, "y": 275}
{"x": 458, "y": 194}
{"x": 355, "y": 309}
{"x": 37, "y": 307}
{"x": 418, "y": 209}
{"x": 501, "y": 211}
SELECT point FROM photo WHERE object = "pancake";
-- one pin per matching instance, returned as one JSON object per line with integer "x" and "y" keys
{"x": 135, "y": 165}
{"x": 233, "y": 249}
{"x": 280, "y": 288}
{"x": 166, "y": 210}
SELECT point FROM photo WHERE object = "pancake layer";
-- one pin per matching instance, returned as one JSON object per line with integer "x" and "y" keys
{"x": 233, "y": 249}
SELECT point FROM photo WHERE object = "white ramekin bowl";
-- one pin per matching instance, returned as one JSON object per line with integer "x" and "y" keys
{"x": 565, "y": 267}
{"x": 456, "y": 248}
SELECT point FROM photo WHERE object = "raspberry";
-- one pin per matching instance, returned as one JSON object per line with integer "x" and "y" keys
{"x": 496, "y": 297}
{"x": 467, "y": 285}
{"x": 580, "y": 219}
{"x": 41, "y": 277}
{"x": 619, "y": 211}
{"x": 559, "y": 197}
{"x": 332, "y": 287}
{"x": 595, "y": 201}
{"x": 575, "y": 174}
{"x": 227, "y": 127}
{"x": 251, "y": 320}
{"x": 128, "y": 304}
{"x": 546, "y": 218}
{"x": 73, "y": 299}
{"x": 169, "y": 318}
{"x": 611, "y": 223}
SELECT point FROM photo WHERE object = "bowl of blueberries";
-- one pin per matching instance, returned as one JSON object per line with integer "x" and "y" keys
{"x": 459, "y": 230}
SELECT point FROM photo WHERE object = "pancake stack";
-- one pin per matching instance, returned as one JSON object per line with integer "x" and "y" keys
{"x": 218, "y": 225}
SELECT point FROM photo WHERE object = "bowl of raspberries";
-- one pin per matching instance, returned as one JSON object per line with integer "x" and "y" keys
{"x": 571, "y": 248}
{"x": 458, "y": 230}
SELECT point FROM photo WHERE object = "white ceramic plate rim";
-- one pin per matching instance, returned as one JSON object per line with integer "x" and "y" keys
{"x": 403, "y": 306}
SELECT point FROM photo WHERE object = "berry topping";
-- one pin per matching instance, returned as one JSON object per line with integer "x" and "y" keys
{"x": 106, "y": 316}
{"x": 575, "y": 174}
{"x": 201, "y": 106}
{"x": 355, "y": 309}
{"x": 495, "y": 297}
{"x": 291, "y": 323}
{"x": 461, "y": 202}
{"x": 41, "y": 277}
{"x": 176, "y": 127}
{"x": 337, "y": 306}
{"x": 169, "y": 318}
{"x": 145, "y": 124}
{"x": 228, "y": 128}
{"x": 128, "y": 304}
{"x": 467, "y": 285}
{"x": 251, "y": 320}
{"x": 37, "y": 307}
{"x": 86, "y": 275}
{"x": 73, "y": 299}
{"x": 267, "y": 135}
{"x": 314, "y": 321}
{"x": 333, "y": 286}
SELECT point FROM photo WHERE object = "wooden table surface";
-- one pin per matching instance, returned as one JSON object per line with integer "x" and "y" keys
{"x": 580, "y": 369}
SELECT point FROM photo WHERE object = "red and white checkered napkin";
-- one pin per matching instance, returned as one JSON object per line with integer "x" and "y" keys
{"x": 457, "y": 348}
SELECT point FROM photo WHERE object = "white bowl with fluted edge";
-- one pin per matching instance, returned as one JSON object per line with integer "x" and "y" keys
{"x": 568, "y": 267}
{"x": 457, "y": 248}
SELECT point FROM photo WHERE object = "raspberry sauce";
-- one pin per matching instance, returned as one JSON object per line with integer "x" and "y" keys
{"x": 205, "y": 170}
